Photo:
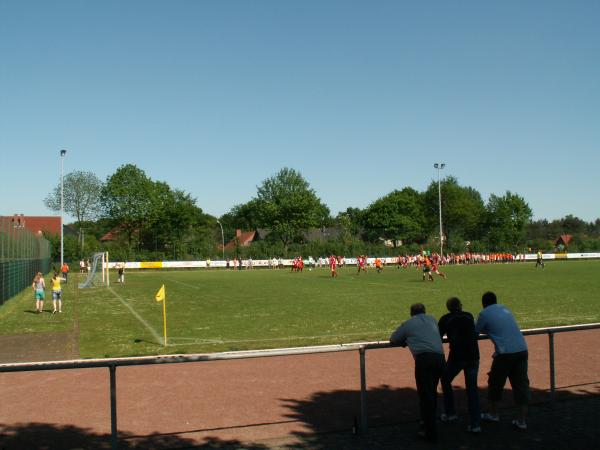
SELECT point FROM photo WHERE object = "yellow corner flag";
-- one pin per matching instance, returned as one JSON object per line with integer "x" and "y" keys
{"x": 161, "y": 297}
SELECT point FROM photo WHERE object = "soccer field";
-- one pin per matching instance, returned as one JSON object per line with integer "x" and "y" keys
{"x": 210, "y": 311}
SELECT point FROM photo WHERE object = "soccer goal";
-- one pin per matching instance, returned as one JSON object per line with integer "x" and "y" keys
{"x": 98, "y": 272}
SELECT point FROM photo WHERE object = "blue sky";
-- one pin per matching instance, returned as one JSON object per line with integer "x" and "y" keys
{"x": 360, "y": 97}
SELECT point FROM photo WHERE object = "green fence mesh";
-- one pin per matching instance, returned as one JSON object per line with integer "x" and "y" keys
{"x": 22, "y": 254}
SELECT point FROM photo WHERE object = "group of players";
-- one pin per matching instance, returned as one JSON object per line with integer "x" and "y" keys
{"x": 429, "y": 265}
{"x": 427, "y": 262}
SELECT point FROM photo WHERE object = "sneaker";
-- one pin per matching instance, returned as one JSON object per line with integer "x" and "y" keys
{"x": 490, "y": 417}
{"x": 448, "y": 417}
{"x": 473, "y": 430}
{"x": 54, "y": 312}
{"x": 521, "y": 425}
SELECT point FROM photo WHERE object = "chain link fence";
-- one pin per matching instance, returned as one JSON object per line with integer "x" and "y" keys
{"x": 22, "y": 255}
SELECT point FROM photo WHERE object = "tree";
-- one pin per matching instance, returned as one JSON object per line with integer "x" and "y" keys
{"x": 173, "y": 218}
{"x": 82, "y": 197}
{"x": 573, "y": 225}
{"x": 350, "y": 224}
{"x": 463, "y": 210}
{"x": 289, "y": 207}
{"x": 397, "y": 216}
{"x": 244, "y": 217}
{"x": 507, "y": 220}
{"x": 127, "y": 199}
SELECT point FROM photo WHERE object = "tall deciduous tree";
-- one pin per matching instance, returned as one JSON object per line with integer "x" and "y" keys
{"x": 507, "y": 220}
{"x": 463, "y": 210}
{"x": 400, "y": 215}
{"x": 127, "y": 199}
{"x": 289, "y": 207}
{"x": 81, "y": 194}
{"x": 173, "y": 217}
{"x": 245, "y": 216}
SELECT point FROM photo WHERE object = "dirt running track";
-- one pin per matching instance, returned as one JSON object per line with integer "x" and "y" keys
{"x": 259, "y": 399}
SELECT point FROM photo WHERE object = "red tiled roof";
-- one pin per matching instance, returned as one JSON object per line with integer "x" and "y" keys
{"x": 565, "y": 238}
{"x": 245, "y": 238}
{"x": 37, "y": 224}
{"x": 114, "y": 233}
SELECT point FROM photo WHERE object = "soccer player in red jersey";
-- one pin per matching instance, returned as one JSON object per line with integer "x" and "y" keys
{"x": 360, "y": 262}
{"x": 333, "y": 265}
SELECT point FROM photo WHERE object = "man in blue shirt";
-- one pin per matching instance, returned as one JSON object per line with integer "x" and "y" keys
{"x": 420, "y": 333}
{"x": 510, "y": 358}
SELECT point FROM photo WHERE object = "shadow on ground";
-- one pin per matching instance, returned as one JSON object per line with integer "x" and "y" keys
{"x": 333, "y": 420}
{"x": 41, "y": 436}
{"x": 570, "y": 422}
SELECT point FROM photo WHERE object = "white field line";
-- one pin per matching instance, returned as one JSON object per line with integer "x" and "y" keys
{"x": 156, "y": 336}
{"x": 185, "y": 284}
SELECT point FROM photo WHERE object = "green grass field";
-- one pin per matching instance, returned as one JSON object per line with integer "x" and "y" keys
{"x": 210, "y": 311}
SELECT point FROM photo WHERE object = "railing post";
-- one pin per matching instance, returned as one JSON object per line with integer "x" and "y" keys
{"x": 363, "y": 391}
{"x": 552, "y": 372}
{"x": 113, "y": 407}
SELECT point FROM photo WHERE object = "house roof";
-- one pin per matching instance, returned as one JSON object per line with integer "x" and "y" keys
{"x": 36, "y": 224}
{"x": 244, "y": 238}
{"x": 115, "y": 232}
{"x": 564, "y": 238}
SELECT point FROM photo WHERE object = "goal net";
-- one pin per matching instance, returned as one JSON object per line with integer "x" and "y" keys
{"x": 98, "y": 272}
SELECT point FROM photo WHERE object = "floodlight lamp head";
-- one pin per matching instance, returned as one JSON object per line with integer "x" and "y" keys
{"x": 63, "y": 152}
{"x": 436, "y": 165}
{"x": 442, "y": 165}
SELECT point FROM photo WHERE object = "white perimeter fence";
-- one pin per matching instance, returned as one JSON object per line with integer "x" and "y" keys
{"x": 361, "y": 347}
{"x": 288, "y": 262}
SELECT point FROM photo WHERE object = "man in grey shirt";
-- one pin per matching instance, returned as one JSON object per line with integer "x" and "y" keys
{"x": 421, "y": 334}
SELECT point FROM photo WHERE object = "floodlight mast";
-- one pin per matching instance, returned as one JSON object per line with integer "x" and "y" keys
{"x": 440, "y": 166}
{"x": 222, "y": 239}
{"x": 63, "y": 152}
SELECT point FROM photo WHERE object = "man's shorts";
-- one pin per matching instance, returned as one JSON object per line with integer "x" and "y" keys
{"x": 514, "y": 367}
{"x": 39, "y": 294}
{"x": 56, "y": 295}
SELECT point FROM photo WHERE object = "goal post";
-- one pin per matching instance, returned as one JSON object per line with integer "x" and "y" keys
{"x": 98, "y": 272}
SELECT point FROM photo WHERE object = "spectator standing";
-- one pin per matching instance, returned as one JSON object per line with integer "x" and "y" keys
{"x": 56, "y": 293}
{"x": 121, "y": 273}
{"x": 459, "y": 327}
{"x": 510, "y": 358}
{"x": 39, "y": 292}
{"x": 82, "y": 266}
{"x": 64, "y": 270}
{"x": 421, "y": 334}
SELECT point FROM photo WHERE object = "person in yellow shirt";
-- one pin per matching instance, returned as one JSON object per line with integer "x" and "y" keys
{"x": 56, "y": 292}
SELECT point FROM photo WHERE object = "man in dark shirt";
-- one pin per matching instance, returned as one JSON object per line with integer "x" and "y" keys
{"x": 459, "y": 327}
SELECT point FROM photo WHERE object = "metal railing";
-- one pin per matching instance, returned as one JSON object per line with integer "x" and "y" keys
{"x": 361, "y": 347}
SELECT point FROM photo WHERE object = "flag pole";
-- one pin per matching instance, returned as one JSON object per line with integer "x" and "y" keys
{"x": 165, "y": 318}
{"x": 161, "y": 296}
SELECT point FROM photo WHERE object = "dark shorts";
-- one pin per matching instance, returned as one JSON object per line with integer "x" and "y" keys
{"x": 514, "y": 367}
